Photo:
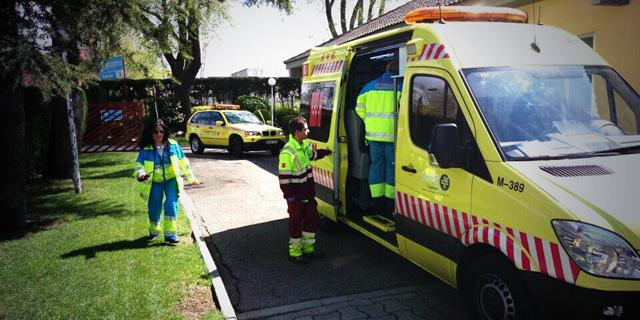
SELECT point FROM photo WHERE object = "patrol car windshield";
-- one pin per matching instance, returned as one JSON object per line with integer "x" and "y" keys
{"x": 237, "y": 117}
{"x": 552, "y": 112}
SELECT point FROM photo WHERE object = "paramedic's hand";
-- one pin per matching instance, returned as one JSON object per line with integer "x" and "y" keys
{"x": 195, "y": 182}
{"x": 143, "y": 176}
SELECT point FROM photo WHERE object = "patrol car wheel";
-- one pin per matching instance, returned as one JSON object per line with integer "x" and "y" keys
{"x": 196, "y": 145}
{"x": 235, "y": 146}
{"x": 495, "y": 291}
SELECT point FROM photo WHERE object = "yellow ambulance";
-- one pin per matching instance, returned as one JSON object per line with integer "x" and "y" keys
{"x": 517, "y": 161}
{"x": 226, "y": 126}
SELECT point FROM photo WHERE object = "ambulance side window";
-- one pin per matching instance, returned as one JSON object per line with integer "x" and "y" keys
{"x": 432, "y": 103}
{"x": 215, "y": 116}
{"x": 316, "y": 106}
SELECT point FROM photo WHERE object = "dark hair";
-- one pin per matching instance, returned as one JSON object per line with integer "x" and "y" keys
{"x": 147, "y": 133}
{"x": 296, "y": 124}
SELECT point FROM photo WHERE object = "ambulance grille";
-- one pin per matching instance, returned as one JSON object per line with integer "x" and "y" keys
{"x": 269, "y": 133}
{"x": 577, "y": 171}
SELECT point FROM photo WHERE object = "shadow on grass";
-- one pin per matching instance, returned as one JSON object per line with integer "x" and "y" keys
{"x": 90, "y": 252}
{"x": 125, "y": 173}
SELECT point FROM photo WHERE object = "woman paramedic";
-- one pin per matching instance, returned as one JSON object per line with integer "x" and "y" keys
{"x": 159, "y": 167}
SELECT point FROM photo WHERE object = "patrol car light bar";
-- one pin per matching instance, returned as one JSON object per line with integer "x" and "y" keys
{"x": 218, "y": 106}
{"x": 465, "y": 13}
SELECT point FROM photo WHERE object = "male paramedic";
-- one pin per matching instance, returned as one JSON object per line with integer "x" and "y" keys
{"x": 375, "y": 105}
{"x": 297, "y": 185}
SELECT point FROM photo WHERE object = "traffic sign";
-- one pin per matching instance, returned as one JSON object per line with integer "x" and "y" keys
{"x": 112, "y": 69}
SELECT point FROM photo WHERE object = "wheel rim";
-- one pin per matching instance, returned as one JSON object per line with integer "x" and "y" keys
{"x": 495, "y": 299}
{"x": 195, "y": 145}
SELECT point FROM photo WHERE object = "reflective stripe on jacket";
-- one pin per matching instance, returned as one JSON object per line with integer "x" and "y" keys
{"x": 375, "y": 107}
{"x": 179, "y": 164}
{"x": 294, "y": 168}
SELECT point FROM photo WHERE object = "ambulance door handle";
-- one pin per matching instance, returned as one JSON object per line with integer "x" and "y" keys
{"x": 409, "y": 169}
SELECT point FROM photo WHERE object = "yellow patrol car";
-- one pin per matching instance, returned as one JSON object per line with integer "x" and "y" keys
{"x": 516, "y": 161}
{"x": 226, "y": 126}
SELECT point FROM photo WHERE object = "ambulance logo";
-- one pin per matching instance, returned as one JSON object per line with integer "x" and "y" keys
{"x": 444, "y": 182}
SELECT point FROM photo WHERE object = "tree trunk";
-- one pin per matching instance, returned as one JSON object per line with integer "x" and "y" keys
{"x": 13, "y": 198}
{"x": 328, "y": 5}
{"x": 60, "y": 164}
{"x": 184, "y": 93}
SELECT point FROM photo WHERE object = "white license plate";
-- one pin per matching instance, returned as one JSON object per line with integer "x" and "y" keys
{"x": 271, "y": 142}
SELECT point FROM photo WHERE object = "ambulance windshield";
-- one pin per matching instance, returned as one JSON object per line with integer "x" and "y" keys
{"x": 550, "y": 112}
{"x": 237, "y": 117}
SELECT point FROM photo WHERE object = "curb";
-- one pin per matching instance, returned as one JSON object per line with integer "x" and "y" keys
{"x": 218, "y": 286}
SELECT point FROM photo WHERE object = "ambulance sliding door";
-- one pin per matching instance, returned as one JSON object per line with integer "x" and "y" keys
{"x": 321, "y": 98}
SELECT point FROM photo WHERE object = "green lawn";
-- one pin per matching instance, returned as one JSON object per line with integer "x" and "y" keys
{"x": 91, "y": 260}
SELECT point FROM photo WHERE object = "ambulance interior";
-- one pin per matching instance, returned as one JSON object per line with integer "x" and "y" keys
{"x": 368, "y": 64}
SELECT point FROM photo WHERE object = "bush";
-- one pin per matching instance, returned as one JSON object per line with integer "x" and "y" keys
{"x": 282, "y": 116}
{"x": 252, "y": 103}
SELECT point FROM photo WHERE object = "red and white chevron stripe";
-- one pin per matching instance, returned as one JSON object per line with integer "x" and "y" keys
{"x": 329, "y": 67}
{"x": 432, "y": 51}
{"x": 526, "y": 251}
{"x": 323, "y": 177}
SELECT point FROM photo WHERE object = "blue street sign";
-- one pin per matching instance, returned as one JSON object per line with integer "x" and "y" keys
{"x": 112, "y": 69}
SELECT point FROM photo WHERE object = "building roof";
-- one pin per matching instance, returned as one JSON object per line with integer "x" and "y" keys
{"x": 391, "y": 19}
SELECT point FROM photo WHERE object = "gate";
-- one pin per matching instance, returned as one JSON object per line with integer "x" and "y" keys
{"x": 113, "y": 126}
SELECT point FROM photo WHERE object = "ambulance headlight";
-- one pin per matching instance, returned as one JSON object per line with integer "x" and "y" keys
{"x": 598, "y": 251}
{"x": 252, "y": 133}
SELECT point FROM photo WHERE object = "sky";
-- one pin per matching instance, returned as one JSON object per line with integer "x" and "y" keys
{"x": 262, "y": 37}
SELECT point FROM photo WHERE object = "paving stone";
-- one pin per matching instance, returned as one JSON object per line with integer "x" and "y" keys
{"x": 387, "y": 317}
{"x": 350, "y": 313}
{"x": 360, "y": 302}
{"x": 399, "y": 297}
{"x": 374, "y": 310}
{"x": 305, "y": 318}
{"x": 392, "y": 305}
{"x": 406, "y": 315}
{"x": 316, "y": 311}
{"x": 330, "y": 316}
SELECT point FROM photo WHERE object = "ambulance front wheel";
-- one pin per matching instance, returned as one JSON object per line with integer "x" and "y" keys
{"x": 196, "y": 145}
{"x": 495, "y": 291}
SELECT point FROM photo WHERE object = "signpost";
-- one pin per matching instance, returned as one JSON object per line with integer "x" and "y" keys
{"x": 112, "y": 69}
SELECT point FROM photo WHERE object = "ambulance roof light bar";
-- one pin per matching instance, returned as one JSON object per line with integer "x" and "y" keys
{"x": 465, "y": 13}
{"x": 217, "y": 106}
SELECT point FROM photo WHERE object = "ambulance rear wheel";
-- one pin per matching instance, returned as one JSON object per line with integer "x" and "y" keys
{"x": 495, "y": 292}
{"x": 196, "y": 145}
{"x": 235, "y": 146}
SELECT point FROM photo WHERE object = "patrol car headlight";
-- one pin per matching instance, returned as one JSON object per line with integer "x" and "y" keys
{"x": 598, "y": 251}
{"x": 252, "y": 133}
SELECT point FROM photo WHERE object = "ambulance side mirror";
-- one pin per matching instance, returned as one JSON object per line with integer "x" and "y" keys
{"x": 444, "y": 142}
{"x": 220, "y": 123}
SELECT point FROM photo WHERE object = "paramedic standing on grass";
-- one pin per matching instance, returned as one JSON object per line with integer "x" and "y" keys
{"x": 297, "y": 185}
{"x": 375, "y": 107}
{"x": 158, "y": 168}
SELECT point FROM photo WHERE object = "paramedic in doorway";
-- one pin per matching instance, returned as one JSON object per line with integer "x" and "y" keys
{"x": 159, "y": 166}
{"x": 297, "y": 185}
{"x": 375, "y": 105}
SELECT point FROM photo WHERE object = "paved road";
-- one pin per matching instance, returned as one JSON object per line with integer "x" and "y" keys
{"x": 244, "y": 212}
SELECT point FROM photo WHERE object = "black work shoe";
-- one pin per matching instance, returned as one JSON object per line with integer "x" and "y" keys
{"x": 171, "y": 240}
{"x": 313, "y": 255}
{"x": 298, "y": 259}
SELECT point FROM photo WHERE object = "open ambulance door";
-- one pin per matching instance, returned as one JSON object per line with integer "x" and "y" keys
{"x": 321, "y": 97}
